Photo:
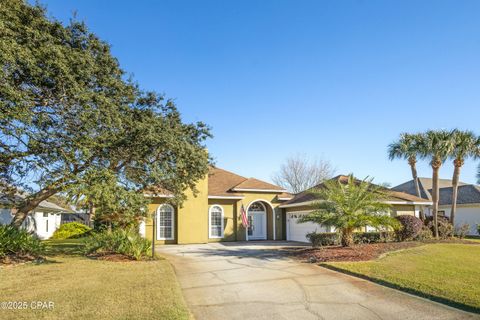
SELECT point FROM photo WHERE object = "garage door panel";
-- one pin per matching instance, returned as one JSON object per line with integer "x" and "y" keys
{"x": 298, "y": 231}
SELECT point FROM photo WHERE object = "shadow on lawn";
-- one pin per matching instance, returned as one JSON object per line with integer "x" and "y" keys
{"x": 432, "y": 297}
{"x": 71, "y": 247}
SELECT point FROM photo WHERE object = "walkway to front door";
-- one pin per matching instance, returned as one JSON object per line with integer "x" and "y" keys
{"x": 255, "y": 280}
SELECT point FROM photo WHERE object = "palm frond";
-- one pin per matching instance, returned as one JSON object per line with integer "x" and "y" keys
{"x": 350, "y": 204}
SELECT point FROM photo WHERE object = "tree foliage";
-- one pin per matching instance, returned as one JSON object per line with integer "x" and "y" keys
{"x": 71, "y": 121}
{"x": 407, "y": 148}
{"x": 350, "y": 205}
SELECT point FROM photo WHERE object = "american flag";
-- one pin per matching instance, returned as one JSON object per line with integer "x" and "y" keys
{"x": 244, "y": 217}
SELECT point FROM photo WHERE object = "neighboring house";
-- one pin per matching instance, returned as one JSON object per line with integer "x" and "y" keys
{"x": 43, "y": 221}
{"x": 402, "y": 204}
{"x": 215, "y": 213}
{"x": 468, "y": 201}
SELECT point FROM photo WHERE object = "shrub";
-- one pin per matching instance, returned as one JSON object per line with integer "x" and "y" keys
{"x": 478, "y": 228}
{"x": 462, "y": 230}
{"x": 71, "y": 230}
{"x": 128, "y": 243}
{"x": 373, "y": 237}
{"x": 19, "y": 243}
{"x": 323, "y": 239}
{"x": 411, "y": 226}
{"x": 445, "y": 229}
{"x": 424, "y": 234}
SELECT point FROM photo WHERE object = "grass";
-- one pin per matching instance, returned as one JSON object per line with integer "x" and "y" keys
{"x": 474, "y": 239}
{"x": 448, "y": 273}
{"x": 84, "y": 288}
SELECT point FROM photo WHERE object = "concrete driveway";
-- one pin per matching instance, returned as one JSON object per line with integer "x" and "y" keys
{"x": 256, "y": 280}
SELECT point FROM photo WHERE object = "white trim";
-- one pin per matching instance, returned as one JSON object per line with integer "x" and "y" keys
{"x": 306, "y": 203}
{"x": 210, "y": 222}
{"x": 284, "y": 199}
{"x": 158, "y": 222}
{"x": 226, "y": 197}
{"x": 410, "y": 202}
{"x": 460, "y": 205}
{"x": 262, "y": 201}
{"x": 259, "y": 190}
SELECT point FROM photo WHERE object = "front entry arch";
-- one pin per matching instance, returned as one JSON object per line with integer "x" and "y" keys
{"x": 257, "y": 218}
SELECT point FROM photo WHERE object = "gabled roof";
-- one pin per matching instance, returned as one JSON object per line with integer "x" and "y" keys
{"x": 467, "y": 193}
{"x": 255, "y": 184}
{"x": 305, "y": 197}
{"x": 409, "y": 187}
{"x": 225, "y": 183}
{"x": 221, "y": 182}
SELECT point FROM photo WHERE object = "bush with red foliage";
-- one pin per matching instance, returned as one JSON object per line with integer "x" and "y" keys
{"x": 411, "y": 227}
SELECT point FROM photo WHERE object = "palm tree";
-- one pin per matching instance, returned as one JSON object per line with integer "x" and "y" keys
{"x": 407, "y": 148}
{"x": 436, "y": 146}
{"x": 466, "y": 144}
{"x": 349, "y": 204}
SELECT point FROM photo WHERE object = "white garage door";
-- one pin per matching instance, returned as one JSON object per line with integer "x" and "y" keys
{"x": 297, "y": 231}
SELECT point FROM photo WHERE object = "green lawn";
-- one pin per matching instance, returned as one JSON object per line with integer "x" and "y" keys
{"x": 448, "y": 273}
{"x": 83, "y": 288}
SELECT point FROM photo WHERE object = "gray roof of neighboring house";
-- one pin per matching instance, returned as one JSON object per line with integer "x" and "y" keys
{"x": 467, "y": 193}
{"x": 8, "y": 201}
{"x": 393, "y": 195}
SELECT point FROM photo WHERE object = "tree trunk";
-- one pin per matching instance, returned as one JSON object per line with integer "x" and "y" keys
{"x": 346, "y": 237}
{"x": 436, "y": 164}
{"x": 31, "y": 203}
{"x": 456, "y": 177}
{"x": 91, "y": 214}
{"x": 413, "y": 167}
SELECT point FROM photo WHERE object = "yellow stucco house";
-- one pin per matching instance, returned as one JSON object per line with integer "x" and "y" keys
{"x": 214, "y": 213}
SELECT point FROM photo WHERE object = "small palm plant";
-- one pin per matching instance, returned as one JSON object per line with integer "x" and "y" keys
{"x": 349, "y": 204}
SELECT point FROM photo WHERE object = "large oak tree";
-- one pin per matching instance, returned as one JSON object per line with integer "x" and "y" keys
{"x": 71, "y": 121}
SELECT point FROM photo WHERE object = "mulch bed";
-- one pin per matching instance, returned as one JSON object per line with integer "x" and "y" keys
{"x": 14, "y": 259}
{"x": 362, "y": 252}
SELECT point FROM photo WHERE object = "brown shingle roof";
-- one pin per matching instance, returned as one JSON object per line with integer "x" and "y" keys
{"x": 223, "y": 183}
{"x": 306, "y": 195}
{"x": 220, "y": 182}
{"x": 253, "y": 183}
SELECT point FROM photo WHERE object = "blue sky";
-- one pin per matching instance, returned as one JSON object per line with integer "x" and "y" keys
{"x": 333, "y": 79}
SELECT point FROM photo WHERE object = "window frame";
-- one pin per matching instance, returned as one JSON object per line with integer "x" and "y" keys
{"x": 222, "y": 223}
{"x": 172, "y": 237}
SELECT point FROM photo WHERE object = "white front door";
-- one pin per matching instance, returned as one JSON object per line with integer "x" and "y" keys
{"x": 258, "y": 225}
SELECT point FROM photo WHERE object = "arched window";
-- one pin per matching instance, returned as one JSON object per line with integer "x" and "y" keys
{"x": 257, "y": 207}
{"x": 215, "y": 222}
{"x": 165, "y": 222}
